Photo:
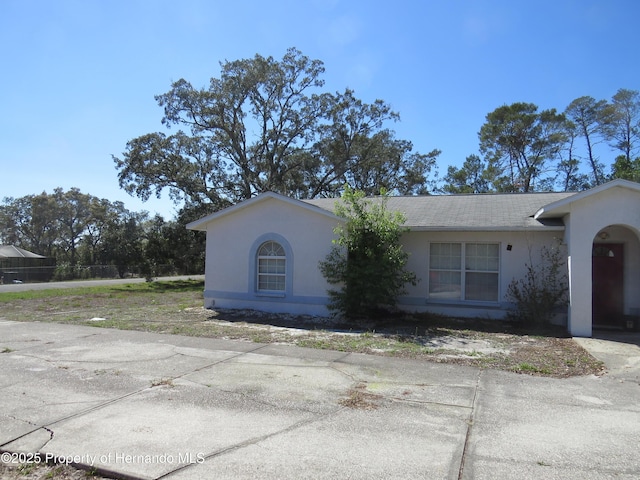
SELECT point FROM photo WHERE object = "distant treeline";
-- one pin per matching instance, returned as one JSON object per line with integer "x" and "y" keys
{"x": 88, "y": 236}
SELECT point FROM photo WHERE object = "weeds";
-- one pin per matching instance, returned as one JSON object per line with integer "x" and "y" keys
{"x": 358, "y": 397}
{"x": 542, "y": 291}
{"x": 163, "y": 382}
{"x": 178, "y": 310}
{"x": 529, "y": 368}
{"x": 26, "y": 468}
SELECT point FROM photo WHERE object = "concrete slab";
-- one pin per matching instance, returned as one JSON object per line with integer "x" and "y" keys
{"x": 150, "y": 406}
{"x": 395, "y": 440}
{"x": 531, "y": 427}
{"x": 620, "y": 352}
{"x": 36, "y": 391}
{"x": 304, "y": 388}
{"x": 158, "y": 430}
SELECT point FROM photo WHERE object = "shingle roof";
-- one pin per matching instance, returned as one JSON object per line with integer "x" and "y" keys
{"x": 469, "y": 212}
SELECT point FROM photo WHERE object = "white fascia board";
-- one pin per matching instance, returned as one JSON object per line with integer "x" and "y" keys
{"x": 562, "y": 207}
{"x": 202, "y": 223}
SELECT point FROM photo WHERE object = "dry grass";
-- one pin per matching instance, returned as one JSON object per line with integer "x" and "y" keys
{"x": 176, "y": 308}
{"x": 41, "y": 471}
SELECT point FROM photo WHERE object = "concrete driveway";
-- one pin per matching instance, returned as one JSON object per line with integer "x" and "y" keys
{"x": 158, "y": 406}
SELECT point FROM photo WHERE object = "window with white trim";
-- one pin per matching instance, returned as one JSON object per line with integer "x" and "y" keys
{"x": 464, "y": 271}
{"x": 272, "y": 267}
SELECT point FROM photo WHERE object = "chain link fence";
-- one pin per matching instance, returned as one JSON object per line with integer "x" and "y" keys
{"x": 82, "y": 272}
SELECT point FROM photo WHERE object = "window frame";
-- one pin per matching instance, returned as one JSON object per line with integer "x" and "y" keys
{"x": 252, "y": 272}
{"x": 278, "y": 276}
{"x": 463, "y": 272}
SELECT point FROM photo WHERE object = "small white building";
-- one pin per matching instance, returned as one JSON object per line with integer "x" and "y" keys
{"x": 263, "y": 253}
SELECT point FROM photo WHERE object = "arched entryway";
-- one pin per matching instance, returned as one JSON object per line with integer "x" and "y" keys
{"x": 614, "y": 277}
{"x": 606, "y": 214}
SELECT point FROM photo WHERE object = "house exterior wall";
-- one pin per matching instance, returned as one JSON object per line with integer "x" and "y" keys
{"x": 525, "y": 248}
{"x": 306, "y": 233}
{"x": 615, "y": 207}
{"x": 232, "y": 243}
{"x": 631, "y": 273}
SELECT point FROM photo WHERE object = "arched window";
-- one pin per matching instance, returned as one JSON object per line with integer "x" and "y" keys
{"x": 272, "y": 267}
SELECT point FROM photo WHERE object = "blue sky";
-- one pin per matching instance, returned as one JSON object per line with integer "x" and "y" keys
{"x": 79, "y": 77}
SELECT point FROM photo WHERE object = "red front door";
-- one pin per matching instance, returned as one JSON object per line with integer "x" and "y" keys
{"x": 607, "y": 277}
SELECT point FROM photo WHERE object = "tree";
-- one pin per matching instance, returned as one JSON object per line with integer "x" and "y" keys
{"x": 170, "y": 247}
{"x": 73, "y": 216}
{"x": 626, "y": 169}
{"x": 102, "y": 214}
{"x": 569, "y": 176}
{"x": 265, "y": 125}
{"x": 156, "y": 246}
{"x": 470, "y": 178}
{"x": 123, "y": 242}
{"x": 621, "y": 122}
{"x": 367, "y": 262}
{"x": 355, "y": 149}
{"x": 518, "y": 143}
{"x": 79, "y": 230}
{"x": 30, "y": 222}
{"x": 587, "y": 116}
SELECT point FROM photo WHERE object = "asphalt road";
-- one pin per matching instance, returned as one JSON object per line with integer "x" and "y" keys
{"x": 22, "y": 287}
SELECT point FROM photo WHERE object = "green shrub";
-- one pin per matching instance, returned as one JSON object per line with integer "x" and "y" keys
{"x": 366, "y": 263}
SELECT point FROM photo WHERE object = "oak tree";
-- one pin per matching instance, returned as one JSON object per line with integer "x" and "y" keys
{"x": 267, "y": 125}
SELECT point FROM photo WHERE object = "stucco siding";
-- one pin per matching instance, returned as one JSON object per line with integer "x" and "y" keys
{"x": 525, "y": 248}
{"x": 520, "y": 224}
{"x": 631, "y": 272}
{"x": 232, "y": 241}
{"x": 616, "y": 210}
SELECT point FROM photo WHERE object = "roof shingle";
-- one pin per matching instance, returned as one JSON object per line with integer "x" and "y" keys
{"x": 468, "y": 212}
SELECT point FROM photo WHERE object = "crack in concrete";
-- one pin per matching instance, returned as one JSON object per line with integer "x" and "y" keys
{"x": 333, "y": 365}
{"x": 64, "y": 360}
{"x": 50, "y": 436}
{"x": 28, "y": 422}
{"x": 424, "y": 402}
{"x": 470, "y": 422}
{"x": 256, "y": 440}
{"x": 315, "y": 417}
{"x": 209, "y": 365}
{"x": 73, "y": 415}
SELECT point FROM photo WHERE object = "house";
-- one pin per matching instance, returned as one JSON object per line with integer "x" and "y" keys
{"x": 263, "y": 253}
{"x": 20, "y": 265}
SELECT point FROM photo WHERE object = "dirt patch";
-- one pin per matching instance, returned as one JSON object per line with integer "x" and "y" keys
{"x": 357, "y": 397}
{"x": 480, "y": 343}
{"x": 473, "y": 342}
